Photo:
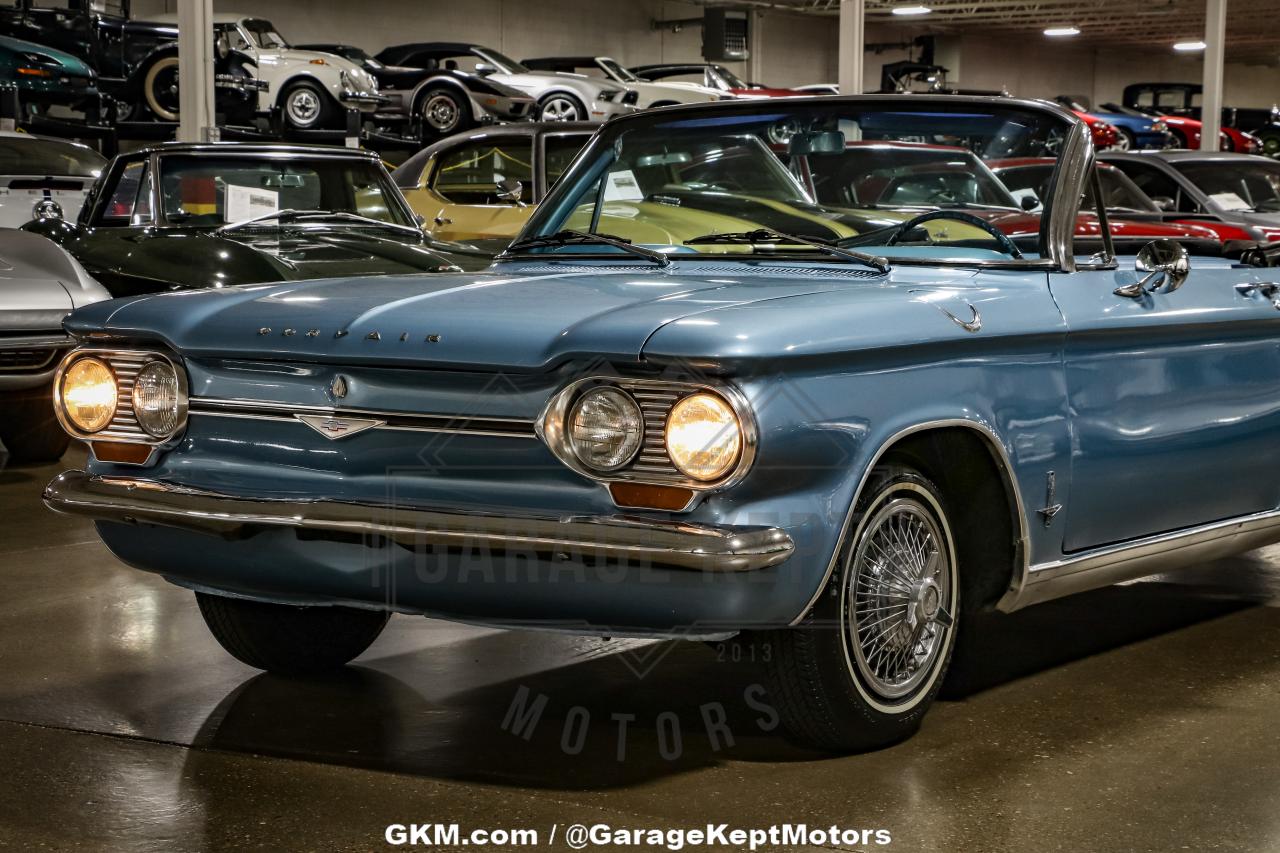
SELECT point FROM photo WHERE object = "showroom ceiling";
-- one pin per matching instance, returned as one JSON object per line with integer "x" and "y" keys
{"x": 1253, "y": 26}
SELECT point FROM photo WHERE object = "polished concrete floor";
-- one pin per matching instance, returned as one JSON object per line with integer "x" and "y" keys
{"x": 1138, "y": 718}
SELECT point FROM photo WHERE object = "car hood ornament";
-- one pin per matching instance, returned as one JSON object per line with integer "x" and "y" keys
{"x": 334, "y": 427}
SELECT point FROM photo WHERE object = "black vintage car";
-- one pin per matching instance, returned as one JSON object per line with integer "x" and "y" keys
{"x": 447, "y": 100}
{"x": 183, "y": 215}
{"x": 136, "y": 61}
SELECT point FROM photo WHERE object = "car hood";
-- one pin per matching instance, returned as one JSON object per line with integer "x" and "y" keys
{"x": 525, "y": 317}
{"x": 193, "y": 259}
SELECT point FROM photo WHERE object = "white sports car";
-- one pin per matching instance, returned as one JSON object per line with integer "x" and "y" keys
{"x": 650, "y": 94}
{"x": 312, "y": 89}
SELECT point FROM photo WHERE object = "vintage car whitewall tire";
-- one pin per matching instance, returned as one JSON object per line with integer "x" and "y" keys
{"x": 863, "y": 667}
{"x": 28, "y": 427}
{"x": 559, "y": 106}
{"x": 305, "y": 105}
{"x": 287, "y": 639}
{"x": 160, "y": 77}
{"x": 444, "y": 112}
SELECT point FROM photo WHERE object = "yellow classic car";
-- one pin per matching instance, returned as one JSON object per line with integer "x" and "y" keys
{"x": 484, "y": 185}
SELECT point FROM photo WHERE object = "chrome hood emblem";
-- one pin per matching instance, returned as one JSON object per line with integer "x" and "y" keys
{"x": 334, "y": 427}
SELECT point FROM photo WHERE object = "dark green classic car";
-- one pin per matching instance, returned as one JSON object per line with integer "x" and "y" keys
{"x": 180, "y": 215}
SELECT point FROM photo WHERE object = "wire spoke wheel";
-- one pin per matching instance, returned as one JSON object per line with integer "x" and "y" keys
{"x": 899, "y": 598}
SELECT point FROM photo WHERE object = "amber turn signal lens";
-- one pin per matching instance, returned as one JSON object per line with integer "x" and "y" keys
{"x": 647, "y": 496}
{"x": 704, "y": 437}
{"x": 88, "y": 395}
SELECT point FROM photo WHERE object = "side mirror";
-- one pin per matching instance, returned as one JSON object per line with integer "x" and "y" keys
{"x": 1164, "y": 202}
{"x": 1166, "y": 265}
{"x": 46, "y": 210}
{"x": 1030, "y": 202}
{"x": 511, "y": 190}
{"x": 483, "y": 68}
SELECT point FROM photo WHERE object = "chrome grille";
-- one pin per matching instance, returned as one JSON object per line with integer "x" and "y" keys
{"x": 655, "y": 404}
{"x": 123, "y": 425}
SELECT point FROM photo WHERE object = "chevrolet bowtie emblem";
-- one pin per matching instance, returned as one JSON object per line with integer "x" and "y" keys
{"x": 333, "y": 427}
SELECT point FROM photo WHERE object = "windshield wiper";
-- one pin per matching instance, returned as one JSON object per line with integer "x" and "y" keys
{"x": 583, "y": 238}
{"x": 289, "y": 214}
{"x": 764, "y": 235}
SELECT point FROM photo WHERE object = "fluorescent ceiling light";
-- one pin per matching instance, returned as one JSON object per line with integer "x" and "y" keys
{"x": 911, "y": 10}
{"x": 1190, "y": 46}
{"x": 1062, "y": 31}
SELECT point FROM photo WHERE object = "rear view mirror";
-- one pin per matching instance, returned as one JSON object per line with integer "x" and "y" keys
{"x": 674, "y": 159}
{"x": 1166, "y": 265}
{"x": 817, "y": 142}
{"x": 511, "y": 190}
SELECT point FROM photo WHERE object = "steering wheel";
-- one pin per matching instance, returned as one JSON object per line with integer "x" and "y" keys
{"x": 1005, "y": 241}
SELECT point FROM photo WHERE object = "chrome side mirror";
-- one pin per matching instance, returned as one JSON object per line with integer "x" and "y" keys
{"x": 46, "y": 209}
{"x": 1166, "y": 265}
{"x": 511, "y": 190}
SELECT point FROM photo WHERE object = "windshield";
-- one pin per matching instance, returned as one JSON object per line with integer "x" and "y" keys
{"x": 505, "y": 64}
{"x": 215, "y": 191}
{"x": 617, "y": 71}
{"x": 1032, "y": 182}
{"x": 264, "y": 35}
{"x": 1252, "y": 186}
{"x": 31, "y": 156}
{"x": 877, "y": 174}
{"x": 847, "y": 173}
{"x": 732, "y": 80}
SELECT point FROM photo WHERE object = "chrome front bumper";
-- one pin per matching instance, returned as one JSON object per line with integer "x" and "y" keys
{"x": 656, "y": 543}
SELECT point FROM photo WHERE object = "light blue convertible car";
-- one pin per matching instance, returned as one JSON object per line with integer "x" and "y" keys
{"x": 661, "y": 414}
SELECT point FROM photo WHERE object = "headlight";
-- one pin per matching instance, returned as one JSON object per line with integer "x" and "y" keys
{"x": 88, "y": 395}
{"x": 605, "y": 429}
{"x": 704, "y": 437}
{"x": 1159, "y": 127}
{"x": 157, "y": 399}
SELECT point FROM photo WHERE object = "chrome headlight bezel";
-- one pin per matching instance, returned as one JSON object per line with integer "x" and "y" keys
{"x": 652, "y": 465}
{"x": 125, "y": 365}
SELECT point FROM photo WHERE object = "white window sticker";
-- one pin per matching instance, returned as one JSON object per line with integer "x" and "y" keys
{"x": 623, "y": 186}
{"x": 1229, "y": 201}
{"x": 247, "y": 202}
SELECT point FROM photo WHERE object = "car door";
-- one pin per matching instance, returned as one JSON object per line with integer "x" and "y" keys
{"x": 460, "y": 193}
{"x": 1174, "y": 400}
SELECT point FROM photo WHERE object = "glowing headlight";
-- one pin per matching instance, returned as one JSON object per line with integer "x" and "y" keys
{"x": 88, "y": 395}
{"x": 157, "y": 399}
{"x": 704, "y": 438}
{"x": 605, "y": 429}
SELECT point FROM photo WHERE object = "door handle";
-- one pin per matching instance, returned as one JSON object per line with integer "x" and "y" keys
{"x": 1268, "y": 289}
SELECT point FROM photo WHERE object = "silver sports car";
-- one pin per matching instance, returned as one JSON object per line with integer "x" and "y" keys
{"x": 39, "y": 285}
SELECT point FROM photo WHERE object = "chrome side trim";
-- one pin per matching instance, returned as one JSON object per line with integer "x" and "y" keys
{"x": 395, "y": 421}
{"x": 1151, "y": 555}
{"x": 1010, "y": 482}
{"x": 639, "y": 541}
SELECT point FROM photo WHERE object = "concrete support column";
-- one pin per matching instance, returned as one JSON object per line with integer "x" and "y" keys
{"x": 755, "y": 46}
{"x": 852, "y": 39}
{"x": 1215, "y": 33}
{"x": 196, "y": 120}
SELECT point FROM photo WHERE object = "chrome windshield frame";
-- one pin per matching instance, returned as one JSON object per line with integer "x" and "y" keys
{"x": 1057, "y": 232}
